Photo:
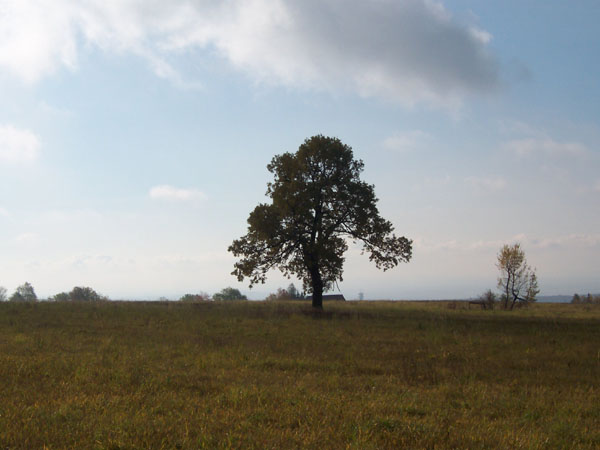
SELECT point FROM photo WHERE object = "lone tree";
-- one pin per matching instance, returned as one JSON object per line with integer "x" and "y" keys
{"x": 318, "y": 204}
{"x": 517, "y": 281}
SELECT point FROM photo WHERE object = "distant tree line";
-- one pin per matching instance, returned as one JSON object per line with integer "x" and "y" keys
{"x": 26, "y": 293}
{"x": 226, "y": 294}
{"x": 585, "y": 299}
{"x": 79, "y": 294}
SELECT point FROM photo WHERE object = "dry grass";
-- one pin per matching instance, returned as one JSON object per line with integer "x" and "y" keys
{"x": 273, "y": 375}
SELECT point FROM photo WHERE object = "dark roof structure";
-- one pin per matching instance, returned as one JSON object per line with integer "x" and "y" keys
{"x": 334, "y": 297}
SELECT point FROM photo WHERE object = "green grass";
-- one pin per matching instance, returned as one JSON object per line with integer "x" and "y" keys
{"x": 114, "y": 375}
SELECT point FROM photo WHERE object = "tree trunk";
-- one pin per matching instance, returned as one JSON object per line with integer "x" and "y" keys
{"x": 317, "y": 288}
{"x": 507, "y": 290}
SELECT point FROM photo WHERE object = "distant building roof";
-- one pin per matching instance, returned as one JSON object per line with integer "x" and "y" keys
{"x": 338, "y": 297}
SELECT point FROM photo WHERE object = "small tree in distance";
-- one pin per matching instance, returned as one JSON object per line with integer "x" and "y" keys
{"x": 291, "y": 293}
{"x": 517, "y": 281}
{"x": 229, "y": 293}
{"x": 294, "y": 293}
{"x": 3, "y": 297}
{"x": 24, "y": 293}
{"x": 318, "y": 203}
{"x": 489, "y": 298}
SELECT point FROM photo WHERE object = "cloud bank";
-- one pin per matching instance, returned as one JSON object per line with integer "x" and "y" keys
{"x": 406, "y": 51}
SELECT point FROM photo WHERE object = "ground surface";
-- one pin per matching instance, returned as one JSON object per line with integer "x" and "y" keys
{"x": 273, "y": 375}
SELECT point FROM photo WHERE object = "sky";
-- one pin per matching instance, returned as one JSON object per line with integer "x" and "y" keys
{"x": 135, "y": 135}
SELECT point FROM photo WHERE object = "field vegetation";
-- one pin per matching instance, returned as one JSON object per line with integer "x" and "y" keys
{"x": 116, "y": 375}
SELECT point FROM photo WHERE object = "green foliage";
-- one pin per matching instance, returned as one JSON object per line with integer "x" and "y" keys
{"x": 3, "y": 297}
{"x": 517, "y": 281}
{"x": 379, "y": 375}
{"x": 79, "y": 294}
{"x": 24, "y": 293}
{"x": 201, "y": 297}
{"x": 318, "y": 201}
{"x": 229, "y": 293}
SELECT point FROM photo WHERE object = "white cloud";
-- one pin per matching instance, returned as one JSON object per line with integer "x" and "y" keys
{"x": 17, "y": 145}
{"x": 170, "y": 193}
{"x": 490, "y": 184}
{"x": 27, "y": 238}
{"x": 36, "y": 36}
{"x": 4, "y": 212}
{"x": 400, "y": 50}
{"x": 481, "y": 35}
{"x": 406, "y": 141}
{"x": 544, "y": 146}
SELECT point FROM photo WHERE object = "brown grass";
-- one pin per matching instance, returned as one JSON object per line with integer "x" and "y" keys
{"x": 276, "y": 375}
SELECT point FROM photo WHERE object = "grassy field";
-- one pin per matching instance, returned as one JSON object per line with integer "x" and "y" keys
{"x": 116, "y": 375}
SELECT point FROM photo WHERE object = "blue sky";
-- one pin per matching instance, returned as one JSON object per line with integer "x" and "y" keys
{"x": 134, "y": 136}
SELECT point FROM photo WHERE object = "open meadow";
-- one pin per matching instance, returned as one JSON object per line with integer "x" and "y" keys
{"x": 116, "y": 375}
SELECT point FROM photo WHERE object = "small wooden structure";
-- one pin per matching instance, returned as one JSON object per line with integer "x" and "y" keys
{"x": 482, "y": 303}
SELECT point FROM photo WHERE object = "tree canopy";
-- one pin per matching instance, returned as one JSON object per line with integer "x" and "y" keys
{"x": 318, "y": 204}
